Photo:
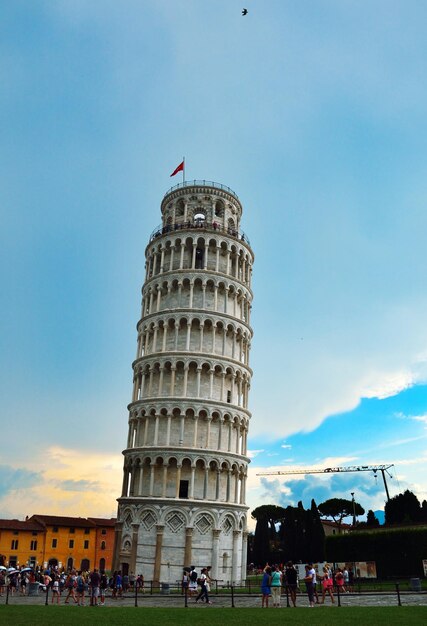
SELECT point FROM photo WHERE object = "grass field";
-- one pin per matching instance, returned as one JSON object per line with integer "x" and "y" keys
{"x": 368, "y": 616}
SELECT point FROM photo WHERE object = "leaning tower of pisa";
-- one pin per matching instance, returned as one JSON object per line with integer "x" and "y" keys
{"x": 185, "y": 462}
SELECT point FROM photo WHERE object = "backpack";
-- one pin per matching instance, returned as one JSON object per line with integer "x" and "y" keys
{"x": 193, "y": 576}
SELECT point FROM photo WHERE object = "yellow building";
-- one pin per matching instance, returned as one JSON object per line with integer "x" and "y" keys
{"x": 76, "y": 542}
{"x": 68, "y": 542}
{"x": 104, "y": 542}
{"x": 21, "y": 543}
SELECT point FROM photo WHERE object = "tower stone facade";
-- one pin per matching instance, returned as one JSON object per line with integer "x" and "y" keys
{"x": 185, "y": 462}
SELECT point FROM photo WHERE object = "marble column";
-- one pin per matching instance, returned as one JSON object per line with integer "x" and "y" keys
{"x": 193, "y": 474}
{"x": 244, "y": 566}
{"x": 215, "y": 553}
{"x": 134, "y": 549}
{"x": 236, "y": 545}
{"x": 158, "y": 553}
{"x": 188, "y": 547}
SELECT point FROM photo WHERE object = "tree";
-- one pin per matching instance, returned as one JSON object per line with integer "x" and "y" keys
{"x": 316, "y": 538}
{"x": 265, "y": 538}
{"x": 289, "y": 533}
{"x": 339, "y": 509}
{"x": 403, "y": 509}
{"x": 371, "y": 520}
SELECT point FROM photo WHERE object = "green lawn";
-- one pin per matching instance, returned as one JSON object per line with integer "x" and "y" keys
{"x": 63, "y": 615}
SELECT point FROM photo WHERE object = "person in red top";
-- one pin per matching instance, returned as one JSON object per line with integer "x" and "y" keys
{"x": 339, "y": 580}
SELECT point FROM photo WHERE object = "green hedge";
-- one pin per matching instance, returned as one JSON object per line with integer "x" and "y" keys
{"x": 397, "y": 552}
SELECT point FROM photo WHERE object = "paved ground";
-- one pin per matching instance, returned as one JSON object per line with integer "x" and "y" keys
{"x": 146, "y": 600}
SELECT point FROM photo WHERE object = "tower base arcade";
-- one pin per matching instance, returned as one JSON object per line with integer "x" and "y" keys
{"x": 159, "y": 539}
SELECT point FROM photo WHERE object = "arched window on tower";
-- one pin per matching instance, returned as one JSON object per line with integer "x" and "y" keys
{"x": 183, "y": 488}
{"x": 199, "y": 258}
{"x": 179, "y": 209}
{"x": 224, "y": 563}
{"x": 199, "y": 219}
{"x": 219, "y": 209}
{"x": 232, "y": 228}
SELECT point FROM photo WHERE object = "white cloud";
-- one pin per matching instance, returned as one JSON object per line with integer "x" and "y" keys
{"x": 71, "y": 482}
{"x": 253, "y": 453}
{"x": 388, "y": 385}
{"x": 287, "y": 446}
{"x": 420, "y": 418}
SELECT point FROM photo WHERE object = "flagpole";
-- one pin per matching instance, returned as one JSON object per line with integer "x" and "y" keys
{"x": 183, "y": 170}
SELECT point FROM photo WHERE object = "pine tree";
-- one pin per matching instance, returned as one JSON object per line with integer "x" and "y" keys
{"x": 371, "y": 520}
{"x": 265, "y": 538}
{"x": 317, "y": 538}
{"x": 403, "y": 509}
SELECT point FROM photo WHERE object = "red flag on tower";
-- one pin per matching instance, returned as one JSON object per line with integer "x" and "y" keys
{"x": 180, "y": 168}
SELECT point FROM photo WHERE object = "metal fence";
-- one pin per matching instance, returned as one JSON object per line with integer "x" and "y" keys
{"x": 202, "y": 183}
{"x": 156, "y": 594}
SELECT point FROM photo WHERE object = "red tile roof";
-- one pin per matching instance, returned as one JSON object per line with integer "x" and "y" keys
{"x": 328, "y": 522}
{"x": 100, "y": 521}
{"x": 15, "y": 524}
{"x": 58, "y": 520}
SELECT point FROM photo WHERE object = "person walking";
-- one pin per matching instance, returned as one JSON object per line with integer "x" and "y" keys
{"x": 70, "y": 585}
{"x": 80, "y": 588}
{"x": 291, "y": 576}
{"x": 95, "y": 581}
{"x": 140, "y": 583}
{"x": 346, "y": 578}
{"x": 276, "y": 586}
{"x": 185, "y": 579}
{"x": 339, "y": 581}
{"x": 119, "y": 584}
{"x": 265, "y": 586}
{"x": 103, "y": 585}
{"x": 309, "y": 584}
{"x": 204, "y": 590}
{"x": 55, "y": 591}
{"x": 327, "y": 584}
{"x": 208, "y": 578}
{"x": 192, "y": 585}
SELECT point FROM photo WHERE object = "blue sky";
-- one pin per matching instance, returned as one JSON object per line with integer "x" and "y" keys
{"x": 314, "y": 113}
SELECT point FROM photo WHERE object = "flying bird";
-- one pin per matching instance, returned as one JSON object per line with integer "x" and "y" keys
{"x": 244, "y": 12}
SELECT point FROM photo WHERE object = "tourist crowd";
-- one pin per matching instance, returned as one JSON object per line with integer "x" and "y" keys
{"x": 78, "y": 586}
{"x": 277, "y": 578}
{"x": 91, "y": 587}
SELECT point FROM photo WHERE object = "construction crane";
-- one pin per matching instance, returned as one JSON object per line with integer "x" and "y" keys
{"x": 336, "y": 470}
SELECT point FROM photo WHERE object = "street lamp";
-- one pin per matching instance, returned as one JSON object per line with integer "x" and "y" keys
{"x": 354, "y": 509}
